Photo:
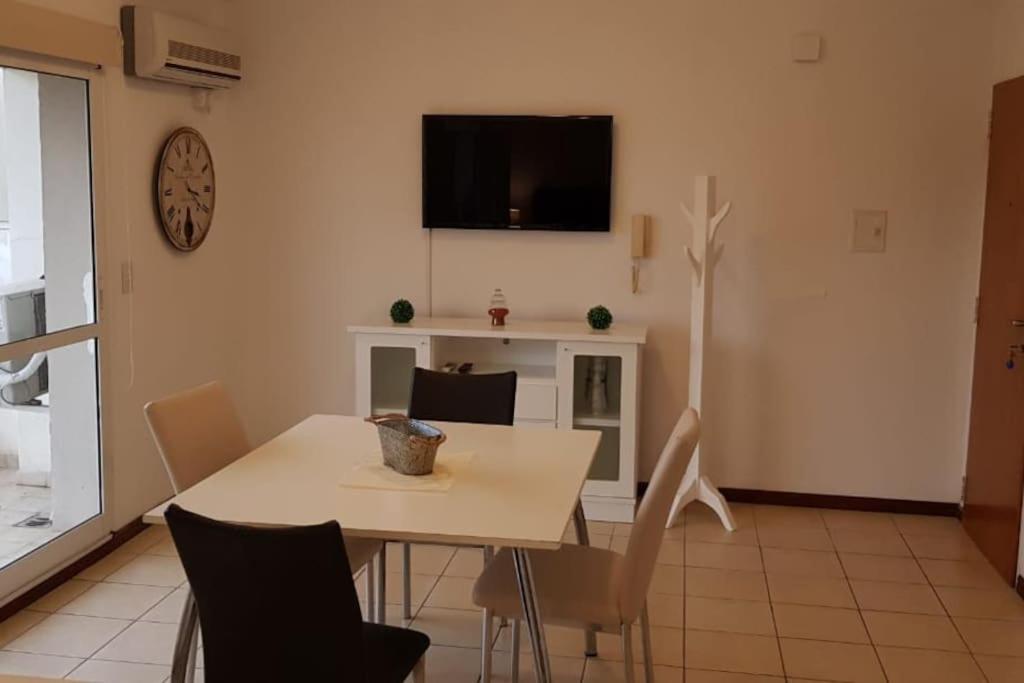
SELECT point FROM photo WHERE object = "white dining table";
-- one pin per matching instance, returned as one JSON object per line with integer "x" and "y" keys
{"x": 519, "y": 489}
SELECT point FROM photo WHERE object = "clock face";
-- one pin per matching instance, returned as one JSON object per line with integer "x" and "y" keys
{"x": 186, "y": 189}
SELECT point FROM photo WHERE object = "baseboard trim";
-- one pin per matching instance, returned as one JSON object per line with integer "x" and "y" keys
{"x": 1020, "y": 586}
{"x": 117, "y": 539}
{"x": 858, "y": 503}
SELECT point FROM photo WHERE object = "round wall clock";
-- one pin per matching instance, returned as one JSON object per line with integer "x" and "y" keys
{"x": 185, "y": 189}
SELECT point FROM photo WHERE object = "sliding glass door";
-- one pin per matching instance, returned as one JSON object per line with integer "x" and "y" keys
{"x": 51, "y": 466}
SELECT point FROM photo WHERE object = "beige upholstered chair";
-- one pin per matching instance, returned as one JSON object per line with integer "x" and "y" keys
{"x": 198, "y": 432}
{"x": 591, "y": 587}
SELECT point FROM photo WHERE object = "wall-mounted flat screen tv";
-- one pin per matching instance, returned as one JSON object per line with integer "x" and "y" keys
{"x": 517, "y": 172}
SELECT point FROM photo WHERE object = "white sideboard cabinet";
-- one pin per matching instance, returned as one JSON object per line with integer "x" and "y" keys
{"x": 569, "y": 377}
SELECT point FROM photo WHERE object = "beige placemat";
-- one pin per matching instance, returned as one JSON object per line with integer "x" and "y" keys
{"x": 372, "y": 473}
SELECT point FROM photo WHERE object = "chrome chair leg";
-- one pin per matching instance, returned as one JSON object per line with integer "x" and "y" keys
{"x": 488, "y": 558}
{"x": 583, "y": 538}
{"x": 627, "y": 652}
{"x": 382, "y": 575}
{"x": 184, "y": 657}
{"x": 531, "y": 614}
{"x": 645, "y": 637}
{"x": 371, "y": 590}
{"x": 407, "y": 581}
{"x": 486, "y": 645}
{"x": 514, "y": 669}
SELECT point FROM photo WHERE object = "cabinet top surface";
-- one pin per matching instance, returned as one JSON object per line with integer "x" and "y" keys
{"x": 552, "y": 330}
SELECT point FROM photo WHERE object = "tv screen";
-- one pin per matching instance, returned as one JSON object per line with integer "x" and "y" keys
{"x": 517, "y": 172}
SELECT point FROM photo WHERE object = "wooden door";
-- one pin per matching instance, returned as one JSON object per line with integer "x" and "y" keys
{"x": 995, "y": 460}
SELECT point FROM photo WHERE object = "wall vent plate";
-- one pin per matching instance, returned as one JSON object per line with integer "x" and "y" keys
{"x": 869, "y": 228}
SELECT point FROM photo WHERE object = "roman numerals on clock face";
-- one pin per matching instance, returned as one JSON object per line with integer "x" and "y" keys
{"x": 186, "y": 189}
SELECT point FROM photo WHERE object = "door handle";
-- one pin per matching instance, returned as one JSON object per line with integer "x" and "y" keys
{"x": 1017, "y": 323}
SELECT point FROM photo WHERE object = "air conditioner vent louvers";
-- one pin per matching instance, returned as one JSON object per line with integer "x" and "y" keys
{"x": 203, "y": 55}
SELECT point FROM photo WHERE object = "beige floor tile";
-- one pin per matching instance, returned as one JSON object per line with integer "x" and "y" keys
{"x": 961, "y": 574}
{"x": 25, "y": 664}
{"x": 606, "y": 528}
{"x": 116, "y": 600}
{"x": 925, "y": 631}
{"x": 733, "y": 652}
{"x": 563, "y": 642}
{"x": 146, "y": 539}
{"x": 18, "y": 623}
{"x": 742, "y": 514}
{"x": 467, "y": 563}
{"x": 421, "y": 586}
{"x": 723, "y": 556}
{"x": 102, "y": 671}
{"x": 896, "y": 597}
{"x": 925, "y": 525}
{"x": 107, "y": 566}
{"x": 671, "y": 552}
{"x": 802, "y": 563}
{"x": 778, "y": 515}
{"x": 882, "y": 568}
{"x": 951, "y": 547}
{"x": 454, "y": 664}
{"x": 796, "y": 538}
{"x": 619, "y": 544}
{"x": 67, "y": 635}
{"x": 150, "y": 570}
{"x": 168, "y": 610}
{"x": 426, "y": 559}
{"x": 454, "y": 627}
{"x": 1001, "y": 669}
{"x": 676, "y": 533}
{"x": 453, "y": 592}
{"x": 726, "y": 583}
{"x": 165, "y": 548}
{"x": 929, "y": 666}
{"x": 667, "y": 610}
{"x": 143, "y": 642}
{"x": 712, "y": 531}
{"x": 983, "y": 603}
{"x": 734, "y": 616}
{"x": 600, "y": 541}
{"x": 854, "y": 520}
{"x": 871, "y": 543}
{"x": 563, "y": 669}
{"x": 667, "y": 579}
{"x": 831, "y": 661}
{"x": 622, "y": 529}
{"x": 809, "y": 590}
{"x": 698, "y": 676}
{"x": 604, "y": 671}
{"x": 819, "y": 623}
{"x": 61, "y": 595}
{"x": 666, "y": 644}
{"x": 992, "y": 637}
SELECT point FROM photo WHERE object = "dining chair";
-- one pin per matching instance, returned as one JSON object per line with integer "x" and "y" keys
{"x": 449, "y": 397}
{"x": 198, "y": 432}
{"x": 584, "y": 587}
{"x": 279, "y": 604}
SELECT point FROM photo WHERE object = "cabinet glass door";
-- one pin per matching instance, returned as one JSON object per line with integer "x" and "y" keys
{"x": 602, "y": 378}
{"x": 384, "y": 366}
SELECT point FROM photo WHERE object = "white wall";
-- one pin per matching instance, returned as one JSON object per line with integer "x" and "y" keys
{"x": 833, "y": 372}
{"x": 179, "y": 328}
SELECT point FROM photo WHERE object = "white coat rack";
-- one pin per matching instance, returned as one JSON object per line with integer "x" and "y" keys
{"x": 703, "y": 256}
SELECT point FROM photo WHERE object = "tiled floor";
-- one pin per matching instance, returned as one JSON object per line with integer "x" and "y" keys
{"x": 18, "y": 503}
{"x": 794, "y": 595}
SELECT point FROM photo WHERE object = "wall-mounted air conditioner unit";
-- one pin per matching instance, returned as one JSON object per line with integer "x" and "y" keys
{"x": 163, "y": 47}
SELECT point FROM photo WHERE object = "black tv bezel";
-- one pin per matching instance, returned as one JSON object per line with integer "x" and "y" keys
{"x": 516, "y": 117}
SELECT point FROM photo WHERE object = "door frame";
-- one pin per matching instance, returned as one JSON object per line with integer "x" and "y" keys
{"x": 43, "y": 562}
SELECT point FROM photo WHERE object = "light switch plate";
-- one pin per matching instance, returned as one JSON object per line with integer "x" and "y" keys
{"x": 869, "y": 228}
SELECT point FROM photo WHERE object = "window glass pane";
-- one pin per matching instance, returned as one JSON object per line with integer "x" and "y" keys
{"x": 46, "y": 235}
{"x": 49, "y": 447}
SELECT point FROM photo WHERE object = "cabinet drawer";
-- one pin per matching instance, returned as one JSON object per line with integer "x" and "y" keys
{"x": 536, "y": 402}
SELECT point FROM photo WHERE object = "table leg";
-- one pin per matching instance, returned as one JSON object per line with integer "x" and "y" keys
{"x": 531, "y": 614}
{"x": 583, "y": 538}
{"x": 184, "y": 659}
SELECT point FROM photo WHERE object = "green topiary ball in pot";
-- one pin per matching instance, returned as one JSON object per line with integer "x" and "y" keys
{"x": 600, "y": 318}
{"x": 402, "y": 311}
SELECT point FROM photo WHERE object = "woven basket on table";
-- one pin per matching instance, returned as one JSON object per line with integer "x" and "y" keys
{"x": 409, "y": 446}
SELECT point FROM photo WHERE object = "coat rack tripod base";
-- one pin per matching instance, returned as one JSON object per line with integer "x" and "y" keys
{"x": 703, "y": 255}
